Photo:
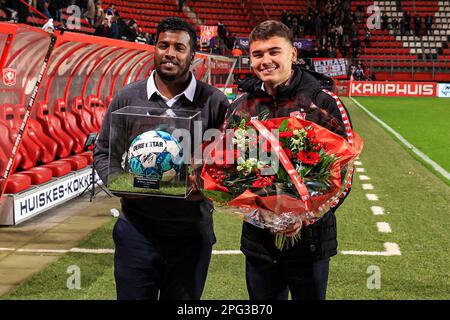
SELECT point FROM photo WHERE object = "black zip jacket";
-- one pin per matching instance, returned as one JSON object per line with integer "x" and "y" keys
{"x": 157, "y": 215}
{"x": 319, "y": 240}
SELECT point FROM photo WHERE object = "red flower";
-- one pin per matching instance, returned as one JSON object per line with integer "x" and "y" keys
{"x": 263, "y": 182}
{"x": 310, "y": 158}
{"x": 286, "y": 134}
{"x": 319, "y": 146}
{"x": 310, "y": 135}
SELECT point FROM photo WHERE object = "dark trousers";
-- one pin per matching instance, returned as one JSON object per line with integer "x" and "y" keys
{"x": 268, "y": 280}
{"x": 164, "y": 268}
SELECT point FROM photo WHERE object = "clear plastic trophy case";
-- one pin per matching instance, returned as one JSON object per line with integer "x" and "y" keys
{"x": 150, "y": 150}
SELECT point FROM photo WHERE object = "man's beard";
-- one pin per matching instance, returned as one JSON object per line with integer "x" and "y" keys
{"x": 166, "y": 77}
{"x": 171, "y": 77}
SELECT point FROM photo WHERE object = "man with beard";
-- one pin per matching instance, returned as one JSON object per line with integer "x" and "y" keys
{"x": 163, "y": 245}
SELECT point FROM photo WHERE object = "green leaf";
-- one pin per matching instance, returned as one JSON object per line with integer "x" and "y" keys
{"x": 283, "y": 126}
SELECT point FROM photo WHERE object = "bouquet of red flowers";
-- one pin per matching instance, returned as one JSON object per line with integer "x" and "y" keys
{"x": 277, "y": 172}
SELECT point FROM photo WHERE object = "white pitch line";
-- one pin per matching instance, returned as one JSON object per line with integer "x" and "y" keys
{"x": 226, "y": 252}
{"x": 363, "y": 177}
{"x": 419, "y": 153}
{"x": 371, "y": 197}
{"x": 358, "y": 163}
{"x": 367, "y": 186}
{"x": 390, "y": 249}
{"x": 384, "y": 227}
{"x": 377, "y": 211}
{"x": 360, "y": 170}
{"x": 96, "y": 251}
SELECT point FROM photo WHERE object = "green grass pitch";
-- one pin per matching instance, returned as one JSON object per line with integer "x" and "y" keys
{"x": 416, "y": 203}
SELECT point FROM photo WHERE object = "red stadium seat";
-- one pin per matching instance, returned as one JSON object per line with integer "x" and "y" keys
{"x": 48, "y": 147}
{"x": 69, "y": 124}
{"x": 52, "y": 127}
{"x": 6, "y": 146}
{"x": 58, "y": 168}
{"x": 17, "y": 182}
{"x": 83, "y": 116}
{"x": 30, "y": 150}
{"x": 38, "y": 175}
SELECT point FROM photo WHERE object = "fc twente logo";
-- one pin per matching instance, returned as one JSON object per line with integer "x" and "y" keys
{"x": 9, "y": 77}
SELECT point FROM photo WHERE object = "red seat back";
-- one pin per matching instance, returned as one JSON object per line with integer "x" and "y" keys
{"x": 29, "y": 149}
{"x": 52, "y": 127}
{"x": 48, "y": 146}
{"x": 83, "y": 116}
{"x": 69, "y": 124}
{"x": 6, "y": 147}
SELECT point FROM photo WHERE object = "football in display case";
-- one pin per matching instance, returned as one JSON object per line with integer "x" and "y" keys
{"x": 150, "y": 151}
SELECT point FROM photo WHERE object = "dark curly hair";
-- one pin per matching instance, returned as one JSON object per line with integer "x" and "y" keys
{"x": 177, "y": 24}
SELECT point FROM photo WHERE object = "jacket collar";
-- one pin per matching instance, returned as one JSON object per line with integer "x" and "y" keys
{"x": 298, "y": 82}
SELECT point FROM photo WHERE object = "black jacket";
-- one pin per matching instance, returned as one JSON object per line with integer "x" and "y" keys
{"x": 164, "y": 216}
{"x": 319, "y": 240}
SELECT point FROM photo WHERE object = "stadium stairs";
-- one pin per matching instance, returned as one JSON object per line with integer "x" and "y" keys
{"x": 389, "y": 53}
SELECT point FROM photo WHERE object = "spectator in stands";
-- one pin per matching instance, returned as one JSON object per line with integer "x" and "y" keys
{"x": 384, "y": 21}
{"x": 332, "y": 52}
{"x": 152, "y": 40}
{"x": 140, "y": 37}
{"x": 100, "y": 14}
{"x": 103, "y": 30}
{"x": 282, "y": 89}
{"x": 359, "y": 14}
{"x": 236, "y": 52}
{"x": 181, "y": 5}
{"x": 318, "y": 26}
{"x": 346, "y": 49}
{"x": 284, "y": 16}
{"x": 428, "y": 23}
{"x": 367, "y": 37}
{"x": 402, "y": 27}
{"x": 163, "y": 245}
{"x": 42, "y": 6}
{"x": 395, "y": 27}
{"x": 89, "y": 13}
{"x": 356, "y": 47}
{"x": 359, "y": 73}
{"x": 114, "y": 31}
{"x": 407, "y": 19}
{"x": 221, "y": 30}
{"x": 367, "y": 76}
{"x": 417, "y": 26}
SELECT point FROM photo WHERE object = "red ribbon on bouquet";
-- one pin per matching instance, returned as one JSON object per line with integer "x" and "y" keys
{"x": 281, "y": 154}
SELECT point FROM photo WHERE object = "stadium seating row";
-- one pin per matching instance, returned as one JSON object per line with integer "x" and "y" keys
{"x": 52, "y": 144}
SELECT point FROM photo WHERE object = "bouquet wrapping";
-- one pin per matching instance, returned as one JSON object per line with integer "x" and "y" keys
{"x": 276, "y": 172}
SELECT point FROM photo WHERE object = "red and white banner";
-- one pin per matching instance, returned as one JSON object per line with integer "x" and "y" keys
{"x": 334, "y": 68}
{"x": 390, "y": 89}
{"x": 207, "y": 33}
